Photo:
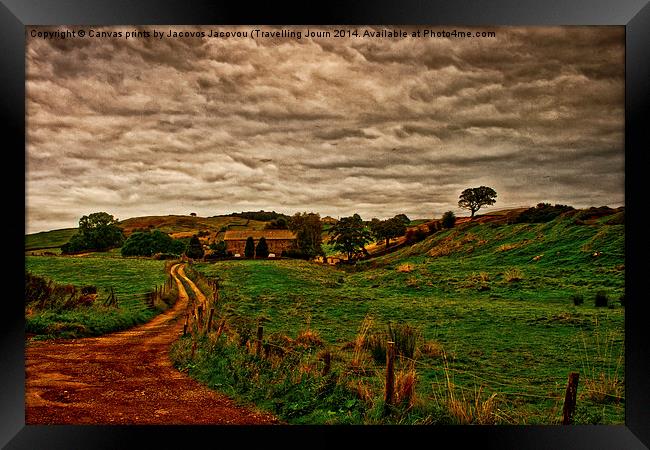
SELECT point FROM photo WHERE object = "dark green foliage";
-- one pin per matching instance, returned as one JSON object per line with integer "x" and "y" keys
{"x": 621, "y": 299}
{"x": 194, "y": 248}
{"x": 601, "y": 300}
{"x": 249, "y": 250}
{"x": 448, "y": 219}
{"x": 97, "y": 231}
{"x": 309, "y": 229}
{"x": 219, "y": 249}
{"x": 262, "y": 249}
{"x": 281, "y": 223}
{"x": 148, "y": 243}
{"x": 415, "y": 235}
{"x": 403, "y": 218}
{"x": 434, "y": 227}
{"x": 44, "y": 294}
{"x": 387, "y": 229}
{"x": 577, "y": 299}
{"x": 594, "y": 213}
{"x": 262, "y": 216}
{"x": 349, "y": 235}
{"x": 295, "y": 254}
{"x": 543, "y": 212}
{"x": 474, "y": 198}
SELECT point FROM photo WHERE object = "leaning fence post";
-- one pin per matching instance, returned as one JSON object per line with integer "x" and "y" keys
{"x": 258, "y": 345}
{"x": 570, "y": 399}
{"x": 390, "y": 375}
{"x": 327, "y": 358}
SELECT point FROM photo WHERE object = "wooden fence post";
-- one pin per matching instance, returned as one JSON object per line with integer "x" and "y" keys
{"x": 327, "y": 358}
{"x": 210, "y": 320}
{"x": 570, "y": 399}
{"x": 258, "y": 345}
{"x": 390, "y": 375}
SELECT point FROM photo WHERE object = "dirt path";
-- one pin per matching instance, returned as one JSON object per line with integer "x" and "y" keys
{"x": 124, "y": 378}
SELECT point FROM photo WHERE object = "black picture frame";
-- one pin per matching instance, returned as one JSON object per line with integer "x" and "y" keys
{"x": 15, "y": 15}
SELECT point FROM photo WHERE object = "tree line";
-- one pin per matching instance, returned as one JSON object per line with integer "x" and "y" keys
{"x": 349, "y": 235}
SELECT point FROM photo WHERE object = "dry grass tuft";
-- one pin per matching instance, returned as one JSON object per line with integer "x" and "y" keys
{"x": 431, "y": 349}
{"x": 405, "y": 268}
{"x": 359, "y": 342}
{"x": 473, "y": 410}
{"x": 513, "y": 274}
{"x": 309, "y": 338}
{"x": 405, "y": 381}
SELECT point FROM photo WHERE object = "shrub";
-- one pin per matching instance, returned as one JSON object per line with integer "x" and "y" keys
{"x": 262, "y": 250}
{"x": 194, "y": 248}
{"x": 541, "y": 213}
{"x": 433, "y": 227}
{"x": 601, "y": 300}
{"x": 577, "y": 299}
{"x": 448, "y": 219}
{"x": 249, "y": 250}
{"x": 415, "y": 235}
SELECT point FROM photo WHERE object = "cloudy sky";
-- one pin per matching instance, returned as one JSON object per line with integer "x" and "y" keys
{"x": 375, "y": 126}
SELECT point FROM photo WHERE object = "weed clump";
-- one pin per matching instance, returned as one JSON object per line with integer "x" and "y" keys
{"x": 577, "y": 299}
{"x": 601, "y": 300}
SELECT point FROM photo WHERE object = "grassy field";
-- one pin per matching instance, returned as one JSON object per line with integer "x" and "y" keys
{"x": 129, "y": 278}
{"x": 493, "y": 306}
{"x": 49, "y": 239}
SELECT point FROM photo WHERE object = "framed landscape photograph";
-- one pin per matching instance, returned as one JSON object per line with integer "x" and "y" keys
{"x": 413, "y": 220}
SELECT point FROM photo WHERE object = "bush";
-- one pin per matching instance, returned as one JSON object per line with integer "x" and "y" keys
{"x": 262, "y": 250}
{"x": 415, "y": 235}
{"x": 148, "y": 243}
{"x": 448, "y": 219}
{"x": 601, "y": 300}
{"x": 295, "y": 253}
{"x": 194, "y": 248}
{"x": 541, "y": 213}
{"x": 577, "y": 299}
{"x": 249, "y": 250}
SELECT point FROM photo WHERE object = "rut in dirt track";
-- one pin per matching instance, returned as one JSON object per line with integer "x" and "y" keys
{"x": 124, "y": 378}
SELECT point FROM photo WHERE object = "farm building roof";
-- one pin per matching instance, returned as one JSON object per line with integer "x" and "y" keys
{"x": 232, "y": 235}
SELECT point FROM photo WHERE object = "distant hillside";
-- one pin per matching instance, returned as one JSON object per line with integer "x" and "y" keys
{"x": 48, "y": 239}
{"x": 176, "y": 226}
{"x": 567, "y": 241}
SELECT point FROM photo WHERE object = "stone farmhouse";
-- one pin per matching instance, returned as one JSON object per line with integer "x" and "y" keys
{"x": 277, "y": 240}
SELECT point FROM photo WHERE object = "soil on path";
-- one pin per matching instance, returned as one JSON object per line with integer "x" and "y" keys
{"x": 124, "y": 378}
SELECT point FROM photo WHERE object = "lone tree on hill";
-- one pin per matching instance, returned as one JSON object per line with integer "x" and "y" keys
{"x": 349, "y": 235}
{"x": 194, "y": 248}
{"x": 262, "y": 250}
{"x": 97, "y": 231}
{"x": 249, "y": 250}
{"x": 474, "y": 198}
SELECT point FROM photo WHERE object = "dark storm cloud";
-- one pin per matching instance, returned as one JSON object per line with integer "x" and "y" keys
{"x": 338, "y": 126}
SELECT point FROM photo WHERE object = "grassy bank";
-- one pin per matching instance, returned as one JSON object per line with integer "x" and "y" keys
{"x": 493, "y": 312}
{"x": 129, "y": 279}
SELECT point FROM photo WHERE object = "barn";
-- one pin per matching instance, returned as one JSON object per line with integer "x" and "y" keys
{"x": 277, "y": 240}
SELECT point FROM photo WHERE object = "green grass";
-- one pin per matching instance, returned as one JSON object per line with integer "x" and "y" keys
{"x": 49, "y": 239}
{"x": 519, "y": 339}
{"x": 129, "y": 278}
